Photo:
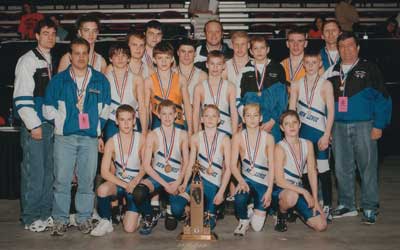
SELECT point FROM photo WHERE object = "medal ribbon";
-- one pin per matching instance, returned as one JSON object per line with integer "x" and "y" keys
{"x": 215, "y": 101}
{"x": 210, "y": 153}
{"x": 252, "y": 157}
{"x": 168, "y": 149}
{"x": 330, "y": 59}
{"x": 165, "y": 95}
{"x": 120, "y": 89}
{"x": 140, "y": 68}
{"x": 310, "y": 97}
{"x": 92, "y": 61}
{"x": 121, "y": 151}
{"x": 81, "y": 91}
{"x": 148, "y": 59}
{"x": 343, "y": 76}
{"x": 291, "y": 75}
{"x": 190, "y": 75}
{"x": 49, "y": 66}
{"x": 260, "y": 84}
{"x": 299, "y": 163}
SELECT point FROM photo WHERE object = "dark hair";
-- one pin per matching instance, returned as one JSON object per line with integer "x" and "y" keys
{"x": 186, "y": 42}
{"x": 331, "y": 21}
{"x": 163, "y": 47}
{"x": 314, "y": 23}
{"x": 296, "y": 31}
{"x": 125, "y": 108}
{"x": 346, "y": 35}
{"x": 79, "y": 41}
{"x": 259, "y": 39}
{"x": 119, "y": 47}
{"x": 90, "y": 17}
{"x": 136, "y": 34}
{"x": 46, "y": 22}
{"x": 166, "y": 103}
{"x": 215, "y": 53}
{"x": 213, "y": 21}
{"x": 311, "y": 52}
{"x": 288, "y": 113}
{"x": 153, "y": 24}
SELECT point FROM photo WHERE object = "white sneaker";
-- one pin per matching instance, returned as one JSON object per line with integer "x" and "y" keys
{"x": 48, "y": 223}
{"x": 104, "y": 227}
{"x": 242, "y": 228}
{"x": 37, "y": 226}
{"x": 250, "y": 211}
{"x": 72, "y": 221}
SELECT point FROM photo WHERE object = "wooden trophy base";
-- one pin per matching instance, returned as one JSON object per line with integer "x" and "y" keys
{"x": 206, "y": 234}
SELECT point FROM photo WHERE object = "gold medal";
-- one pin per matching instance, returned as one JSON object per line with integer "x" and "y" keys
{"x": 210, "y": 170}
{"x": 253, "y": 171}
{"x": 168, "y": 168}
{"x": 124, "y": 175}
{"x": 259, "y": 93}
{"x": 341, "y": 88}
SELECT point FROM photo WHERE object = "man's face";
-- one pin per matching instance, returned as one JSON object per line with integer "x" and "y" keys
{"x": 186, "y": 54}
{"x": 137, "y": 47}
{"x": 153, "y": 37}
{"x": 348, "y": 50}
{"x": 46, "y": 38}
{"x": 259, "y": 50}
{"x": 79, "y": 56}
{"x": 89, "y": 32}
{"x": 215, "y": 66}
{"x": 240, "y": 46}
{"x": 330, "y": 33}
{"x": 296, "y": 44}
{"x": 213, "y": 34}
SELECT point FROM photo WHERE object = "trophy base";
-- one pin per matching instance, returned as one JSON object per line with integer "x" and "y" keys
{"x": 211, "y": 236}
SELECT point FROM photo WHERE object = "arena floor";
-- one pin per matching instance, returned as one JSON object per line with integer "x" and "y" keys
{"x": 343, "y": 234}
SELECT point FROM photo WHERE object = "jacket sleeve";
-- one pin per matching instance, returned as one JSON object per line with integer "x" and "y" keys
{"x": 50, "y": 109}
{"x": 106, "y": 101}
{"x": 24, "y": 87}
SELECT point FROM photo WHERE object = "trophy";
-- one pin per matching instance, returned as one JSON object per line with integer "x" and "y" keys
{"x": 194, "y": 228}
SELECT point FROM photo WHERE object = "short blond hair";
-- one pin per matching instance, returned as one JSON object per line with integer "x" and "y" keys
{"x": 239, "y": 34}
{"x": 250, "y": 106}
{"x": 210, "y": 106}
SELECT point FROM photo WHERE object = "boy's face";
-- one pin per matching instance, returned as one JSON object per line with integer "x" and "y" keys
{"x": 330, "y": 33}
{"x": 240, "y": 46}
{"x": 89, "y": 32}
{"x": 215, "y": 66}
{"x": 259, "y": 50}
{"x": 167, "y": 116}
{"x": 296, "y": 44}
{"x": 210, "y": 118}
{"x": 125, "y": 121}
{"x": 46, "y": 38}
{"x": 119, "y": 60}
{"x": 290, "y": 126}
{"x": 252, "y": 118}
{"x": 163, "y": 61}
{"x": 312, "y": 64}
{"x": 213, "y": 34}
{"x": 153, "y": 37}
{"x": 79, "y": 56}
{"x": 186, "y": 54}
{"x": 136, "y": 46}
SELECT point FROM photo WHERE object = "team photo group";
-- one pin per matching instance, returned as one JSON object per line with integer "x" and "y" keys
{"x": 263, "y": 133}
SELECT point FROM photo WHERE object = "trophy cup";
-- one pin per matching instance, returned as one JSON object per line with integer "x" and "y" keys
{"x": 194, "y": 228}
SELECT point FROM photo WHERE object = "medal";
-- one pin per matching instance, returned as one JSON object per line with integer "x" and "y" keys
{"x": 168, "y": 148}
{"x": 120, "y": 89}
{"x": 252, "y": 156}
{"x": 261, "y": 82}
{"x": 215, "y": 99}
{"x": 168, "y": 168}
{"x": 80, "y": 91}
{"x": 300, "y": 164}
{"x": 165, "y": 95}
{"x": 121, "y": 153}
{"x": 210, "y": 152}
{"x": 310, "y": 97}
{"x": 292, "y": 75}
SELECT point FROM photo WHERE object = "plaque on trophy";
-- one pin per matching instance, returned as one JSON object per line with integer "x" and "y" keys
{"x": 194, "y": 227}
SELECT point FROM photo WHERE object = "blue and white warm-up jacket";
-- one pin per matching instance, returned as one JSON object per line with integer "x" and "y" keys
{"x": 368, "y": 99}
{"x": 31, "y": 79}
{"x": 61, "y": 99}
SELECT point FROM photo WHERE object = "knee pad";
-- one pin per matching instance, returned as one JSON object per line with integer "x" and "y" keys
{"x": 140, "y": 194}
{"x": 257, "y": 222}
{"x": 170, "y": 222}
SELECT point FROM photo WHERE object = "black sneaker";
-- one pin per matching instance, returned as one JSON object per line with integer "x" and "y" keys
{"x": 291, "y": 216}
{"x": 369, "y": 217}
{"x": 157, "y": 214}
{"x": 58, "y": 229}
{"x": 171, "y": 223}
{"x": 342, "y": 211}
{"x": 280, "y": 225}
{"x": 147, "y": 225}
